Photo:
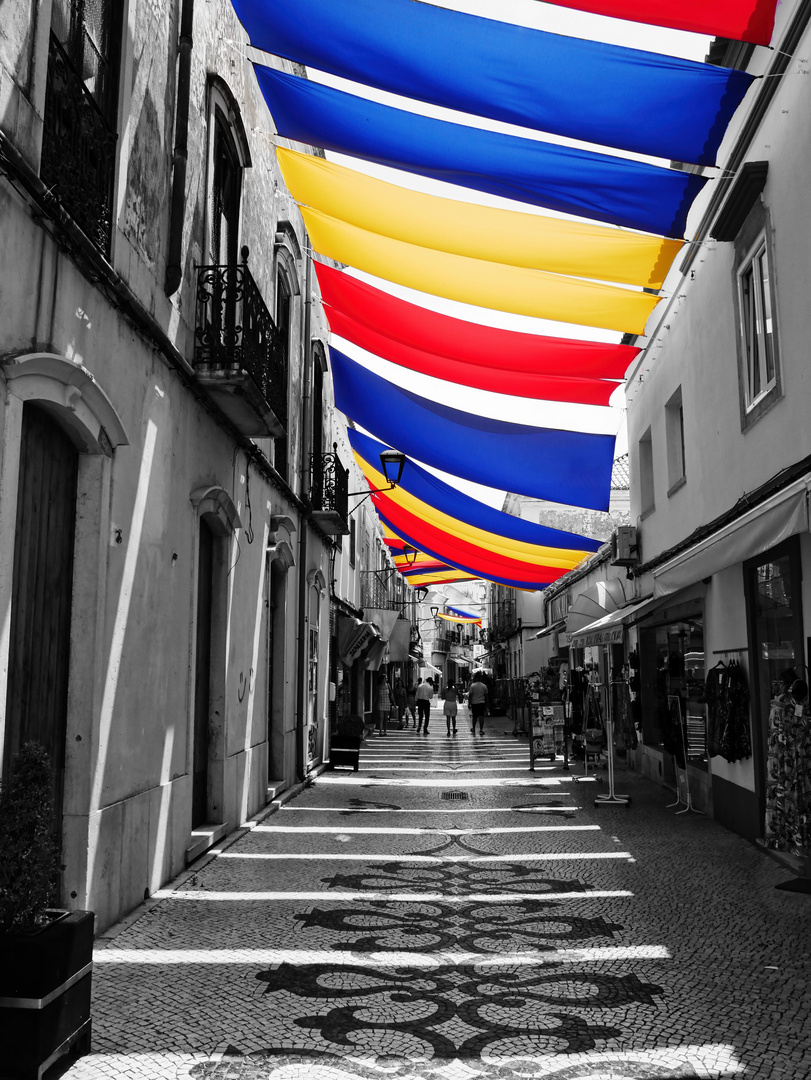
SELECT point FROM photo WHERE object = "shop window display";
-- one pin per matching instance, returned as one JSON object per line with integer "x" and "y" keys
{"x": 674, "y": 712}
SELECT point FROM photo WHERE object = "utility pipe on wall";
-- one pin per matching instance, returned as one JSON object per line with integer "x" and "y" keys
{"x": 174, "y": 270}
{"x": 303, "y": 596}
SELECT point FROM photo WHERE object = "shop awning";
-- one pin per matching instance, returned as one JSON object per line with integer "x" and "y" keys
{"x": 609, "y": 629}
{"x": 762, "y": 528}
{"x": 549, "y": 630}
{"x": 354, "y": 638}
{"x": 593, "y": 603}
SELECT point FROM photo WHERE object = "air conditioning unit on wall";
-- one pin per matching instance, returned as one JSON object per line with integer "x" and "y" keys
{"x": 624, "y": 546}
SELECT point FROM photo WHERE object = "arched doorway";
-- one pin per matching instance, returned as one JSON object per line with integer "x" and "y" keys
{"x": 39, "y": 650}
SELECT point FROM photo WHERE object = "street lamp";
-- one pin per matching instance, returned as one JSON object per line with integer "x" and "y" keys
{"x": 434, "y": 611}
{"x": 392, "y": 463}
{"x": 410, "y": 554}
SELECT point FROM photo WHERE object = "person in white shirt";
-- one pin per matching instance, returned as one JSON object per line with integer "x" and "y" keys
{"x": 425, "y": 691}
{"x": 477, "y": 700}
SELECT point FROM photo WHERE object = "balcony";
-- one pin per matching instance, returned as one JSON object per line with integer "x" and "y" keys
{"x": 78, "y": 150}
{"x": 239, "y": 355}
{"x": 329, "y": 487}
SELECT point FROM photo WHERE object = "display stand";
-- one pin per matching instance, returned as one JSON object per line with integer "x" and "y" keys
{"x": 611, "y": 799}
{"x": 674, "y": 703}
{"x": 591, "y": 707}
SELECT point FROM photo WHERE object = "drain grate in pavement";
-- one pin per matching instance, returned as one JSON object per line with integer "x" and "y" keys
{"x": 454, "y": 795}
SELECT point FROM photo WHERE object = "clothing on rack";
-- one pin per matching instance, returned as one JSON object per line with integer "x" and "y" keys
{"x": 624, "y": 731}
{"x": 788, "y": 779}
{"x": 727, "y": 695}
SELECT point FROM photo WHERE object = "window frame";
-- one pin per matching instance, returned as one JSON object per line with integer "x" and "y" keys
{"x": 647, "y": 487}
{"x": 753, "y": 247}
{"x": 674, "y": 435}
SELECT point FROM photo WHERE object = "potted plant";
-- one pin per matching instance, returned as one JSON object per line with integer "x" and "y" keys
{"x": 46, "y": 955}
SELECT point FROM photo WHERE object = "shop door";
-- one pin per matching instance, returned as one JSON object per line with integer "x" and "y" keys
{"x": 202, "y": 676}
{"x": 774, "y": 606}
{"x": 41, "y": 595}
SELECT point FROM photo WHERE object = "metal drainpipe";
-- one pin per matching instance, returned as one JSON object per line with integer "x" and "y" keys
{"x": 174, "y": 270}
{"x": 303, "y": 597}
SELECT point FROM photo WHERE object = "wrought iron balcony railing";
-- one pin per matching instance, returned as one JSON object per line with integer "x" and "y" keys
{"x": 329, "y": 493}
{"x": 78, "y": 150}
{"x": 239, "y": 354}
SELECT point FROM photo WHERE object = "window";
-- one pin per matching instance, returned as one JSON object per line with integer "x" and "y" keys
{"x": 674, "y": 431}
{"x": 283, "y": 306}
{"x": 756, "y": 313}
{"x": 79, "y": 128}
{"x": 225, "y": 195}
{"x": 646, "y": 472}
{"x": 757, "y": 325}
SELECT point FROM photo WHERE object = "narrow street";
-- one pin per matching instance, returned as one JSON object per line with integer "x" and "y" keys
{"x": 446, "y": 912}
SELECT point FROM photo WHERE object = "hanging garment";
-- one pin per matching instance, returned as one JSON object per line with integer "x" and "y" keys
{"x": 788, "y": 778}
{"x": 624, "y": 730}
{"x": 728, "y": 729}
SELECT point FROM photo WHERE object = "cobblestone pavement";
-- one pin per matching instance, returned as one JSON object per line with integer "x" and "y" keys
{"x": 444, "y": 913}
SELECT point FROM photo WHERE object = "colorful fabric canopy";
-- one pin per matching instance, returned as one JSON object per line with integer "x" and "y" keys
{"x": 545, "y": 463}
{"x": 465, "y": 614}
{"x": 465, "y": 556}
{"x": 591, "y": 91}
{"x": 574, "y": 248}
{"x": 484, "y": 284}
{"x": 403, "y": 333}
{"x": 742, "y": 20}
{"x": 451, "y": 509}
{"x": 580, "y": 182}
{"x": 461, "y": 544}
{"x": 468, "y": 620}
{"x": 447, "y": 578}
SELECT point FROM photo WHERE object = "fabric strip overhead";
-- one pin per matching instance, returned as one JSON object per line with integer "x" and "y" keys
{"x": 574, "y": 248}
{"x": 581, "y": 182}
{"x": 741, "y": 20}
{"x": 484, "y": 284}
{"x": 501, "y": 361}
{"x": 590, "y": 91}
{"x": 453, "y": 510}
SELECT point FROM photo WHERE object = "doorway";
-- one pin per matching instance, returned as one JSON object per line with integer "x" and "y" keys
{"x": 37, "y": 701}
{"x": 202, "y": 675}
{"x": 774, "y": 609}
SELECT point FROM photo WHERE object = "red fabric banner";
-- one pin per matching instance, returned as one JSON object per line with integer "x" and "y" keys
{"x": 743, "y": 20}
{"x": 426, "y": 341}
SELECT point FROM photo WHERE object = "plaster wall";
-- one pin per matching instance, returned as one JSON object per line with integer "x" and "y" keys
{"x": 695, "y": 348}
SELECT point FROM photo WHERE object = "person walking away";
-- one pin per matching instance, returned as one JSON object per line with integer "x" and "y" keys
{"x": 400, "y": 700}
{"x": 425, "y": 692}
{"x": 411, "y": 703}
{"x": 383, "y": 704}
{"x": 450, "y": 707}
{"x": 477, "y": 701}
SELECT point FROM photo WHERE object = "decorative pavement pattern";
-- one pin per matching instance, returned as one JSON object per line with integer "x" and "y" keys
{"x": 447, "y": 914}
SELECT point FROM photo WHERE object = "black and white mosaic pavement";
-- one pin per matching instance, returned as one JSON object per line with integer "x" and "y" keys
{"x": 446, "y": 913}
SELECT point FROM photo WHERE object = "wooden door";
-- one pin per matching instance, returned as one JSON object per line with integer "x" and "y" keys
{"x": 202, "y": 676}
{"x": 41, "y": 594}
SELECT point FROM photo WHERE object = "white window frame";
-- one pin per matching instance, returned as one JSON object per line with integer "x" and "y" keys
{"x": 758, "y": 340}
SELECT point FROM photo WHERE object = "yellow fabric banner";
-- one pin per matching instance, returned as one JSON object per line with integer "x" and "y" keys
{"x": 478, "y": 232}
{"x": 475, "y": 281}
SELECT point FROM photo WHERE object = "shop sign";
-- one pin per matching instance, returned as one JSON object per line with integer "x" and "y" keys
{"x": 612, "y": 635}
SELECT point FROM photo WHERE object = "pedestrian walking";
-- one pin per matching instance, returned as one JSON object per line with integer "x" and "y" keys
{"x": 450, "y": 708}
{"x": 477, "y": 701}
{"x": 383, "y": 704}
{"x": 425, "y": 691}
{"x": 411, "y": 702}
{"x": 400, "y": 700}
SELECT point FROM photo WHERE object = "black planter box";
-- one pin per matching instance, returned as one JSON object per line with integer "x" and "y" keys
{"x": 45, "y": 980}
{"x": 344, "y": 750}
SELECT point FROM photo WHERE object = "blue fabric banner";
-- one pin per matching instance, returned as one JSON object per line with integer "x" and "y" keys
{"x": 430, "y": 489}
{"x": 599, "y": 186}
{"x": 663, "y": 106}
{"x": 545, "y": 463}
